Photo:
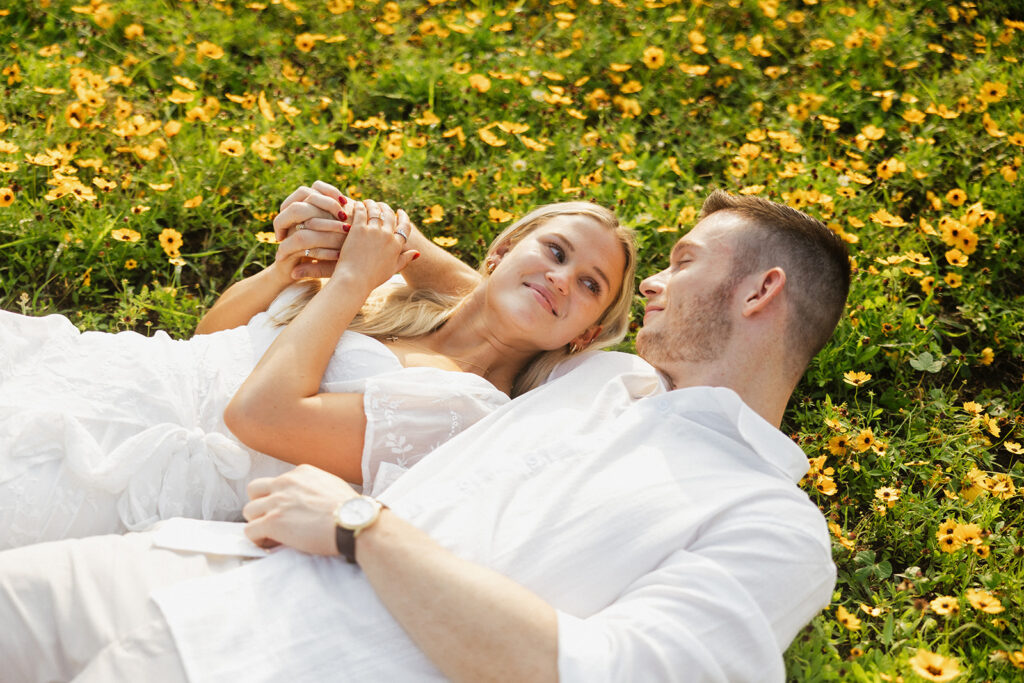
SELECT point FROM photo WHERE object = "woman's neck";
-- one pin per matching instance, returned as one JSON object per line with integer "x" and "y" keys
{"x": 472, "y": 344}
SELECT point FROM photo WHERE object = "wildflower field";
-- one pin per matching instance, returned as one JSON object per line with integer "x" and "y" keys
{"x": 145, "y": 146}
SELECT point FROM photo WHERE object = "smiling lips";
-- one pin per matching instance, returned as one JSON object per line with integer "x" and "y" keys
{"x": 651, "y": 309}
{"x": 544, "y": 296}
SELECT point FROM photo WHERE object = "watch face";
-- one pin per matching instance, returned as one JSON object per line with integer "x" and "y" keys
{"x": 357, "y": 512}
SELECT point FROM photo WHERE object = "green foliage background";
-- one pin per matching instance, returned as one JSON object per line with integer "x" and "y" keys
{"x": 895, "y": 122}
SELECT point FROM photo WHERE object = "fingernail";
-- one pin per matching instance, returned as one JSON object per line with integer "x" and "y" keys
{"x": 341, "y": 200}
{"x": 342, "y": 215}
{"x": 415, "y": 256}
{"x": 346, "y": 227}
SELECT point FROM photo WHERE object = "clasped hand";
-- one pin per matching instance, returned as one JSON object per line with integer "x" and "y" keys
{"x": 315, "y": 222}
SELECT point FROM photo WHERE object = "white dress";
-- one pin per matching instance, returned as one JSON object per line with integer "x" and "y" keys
{"x": 103, "y": 433}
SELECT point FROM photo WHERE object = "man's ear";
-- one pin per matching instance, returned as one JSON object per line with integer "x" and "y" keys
{"x": 767, "y": 289}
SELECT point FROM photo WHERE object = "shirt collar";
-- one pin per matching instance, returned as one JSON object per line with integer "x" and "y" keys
{"x": 750, "y": 428}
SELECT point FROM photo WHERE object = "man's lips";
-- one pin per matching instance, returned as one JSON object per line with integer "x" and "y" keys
{"x": 651, "y": 309}
{"x": 544, "y": 296}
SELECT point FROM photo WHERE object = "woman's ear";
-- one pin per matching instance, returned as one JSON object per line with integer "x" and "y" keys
{"x": 587, "y": 338}
{"x": 494, "y": 258}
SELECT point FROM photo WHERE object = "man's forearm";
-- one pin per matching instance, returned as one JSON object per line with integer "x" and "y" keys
{"x": 438, "y": 270}
{"x": 473, "y": 623}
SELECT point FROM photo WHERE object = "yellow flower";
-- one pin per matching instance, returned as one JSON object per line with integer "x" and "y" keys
{"x": 968, "y": 533}
{"x": 992, "y": 92}
{"x": 133, "y": 31}
{"x": 209, "y": 50}
{"x": 1014, "y": 447}
{"x": 445, "y": 241}
{"x": 488, "y": 136}
{"x": 944, "y": 605}
{"x": 957, "y": 258}
{"x": 987, "y": 356}
{"x": 6, "y": 196}
{"x": 949, "y": 543}
{"x": 170, "y": 241}
{"x": 983, "y": 601}
{"x": 956, "y": 196}
{"x": 837, "y": 445}
{"x": 927, "y": 284}
{"x": 480, "y": 83}
{"x": 869, "y": 610}
{"x": 176, "y": 261}
{"x": 981, "y": 550}
{"x": 887, "y": 495}
{"x": 872, "y": 132}
{"x": 850, "y": 621}
{"x": 654, "y": 57}
{"x": 131, "y": 264}
{"x": 934, "y": 667}
{"x": 890, "y": 167}
{"x": 863, "y": 441}
{"x": 435, "y": 214}
{"x": 231, "y": 147}
{"x": 856, "y": 377}
{"x": 307, "y": 41}
{"x": 125, "y": 235}
{"x": 953, "y": 280}
{"x": 825, "y": 485}
{"x": 193, "y": 202}
{"x": 266, "y": 237}
{"x": 498, "y": 216}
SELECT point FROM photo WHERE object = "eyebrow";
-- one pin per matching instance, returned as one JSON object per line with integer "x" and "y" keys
{"x": 572, "y": 249}
{"x": 682, "y": 244}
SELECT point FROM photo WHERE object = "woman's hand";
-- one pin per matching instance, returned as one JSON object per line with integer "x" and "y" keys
{"x": 375, "y": 248}
{"x": 310, "y": 233}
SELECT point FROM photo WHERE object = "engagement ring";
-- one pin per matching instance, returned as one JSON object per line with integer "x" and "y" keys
{"x": 405, "y": 238}
{"x": 307, "y": 253}
{"x": 300, "y": 226}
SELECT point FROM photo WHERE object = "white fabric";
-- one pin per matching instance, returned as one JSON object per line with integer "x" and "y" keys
{"x": 77, "y": 609}
{"x": 665, "y": 528}
{"x": 102, "y": 433}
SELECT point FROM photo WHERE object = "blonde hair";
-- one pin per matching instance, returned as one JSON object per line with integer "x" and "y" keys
{"x": 408, "y": 312}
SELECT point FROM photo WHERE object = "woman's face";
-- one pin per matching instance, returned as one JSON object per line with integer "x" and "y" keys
{"x": 554, "y": 284}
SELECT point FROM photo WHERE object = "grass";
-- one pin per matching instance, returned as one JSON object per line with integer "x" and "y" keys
{"x": 146, "y": 145}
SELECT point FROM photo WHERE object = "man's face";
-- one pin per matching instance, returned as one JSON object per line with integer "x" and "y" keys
{"x": 689, "y": 304}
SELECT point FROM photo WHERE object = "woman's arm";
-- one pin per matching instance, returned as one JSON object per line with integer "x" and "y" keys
{"x": 279, "y": 409}
{"x": 322, "y": 238}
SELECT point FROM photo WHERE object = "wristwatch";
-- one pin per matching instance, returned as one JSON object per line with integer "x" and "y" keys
{"x": 351, "y": 518}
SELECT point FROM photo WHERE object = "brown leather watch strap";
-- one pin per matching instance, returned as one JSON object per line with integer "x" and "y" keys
{"x": 345, "y": 539}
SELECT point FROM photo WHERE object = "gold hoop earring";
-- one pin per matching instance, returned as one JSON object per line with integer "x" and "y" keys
{"x": 575, "y": 347}
{"x": 491, "y": 265}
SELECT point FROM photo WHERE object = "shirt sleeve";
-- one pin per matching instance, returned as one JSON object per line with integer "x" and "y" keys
{"x": 723, "y": 609}
{"x": 412, "y": 411}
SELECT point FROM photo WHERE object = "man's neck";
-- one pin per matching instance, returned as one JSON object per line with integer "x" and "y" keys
{"x": 760, "y": 388}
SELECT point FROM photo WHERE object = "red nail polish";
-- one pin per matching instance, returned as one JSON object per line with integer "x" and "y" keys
{"x": 346, "y": 227}
{"x": 341, "y": 200}
{"x": 342, "y": 215}
{"x": 415, "y": 256}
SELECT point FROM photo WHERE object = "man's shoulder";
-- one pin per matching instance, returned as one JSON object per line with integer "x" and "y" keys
{"x": 606, "y": 364}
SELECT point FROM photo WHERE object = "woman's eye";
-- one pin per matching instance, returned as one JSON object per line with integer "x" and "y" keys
{"x": 557, "y": 252}
{"x": 592, "y": 285}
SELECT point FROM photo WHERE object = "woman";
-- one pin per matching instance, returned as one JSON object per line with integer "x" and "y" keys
{"x": 105, "y": 432}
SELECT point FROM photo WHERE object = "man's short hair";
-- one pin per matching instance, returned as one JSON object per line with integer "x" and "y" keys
{"x": 815, "y": 259}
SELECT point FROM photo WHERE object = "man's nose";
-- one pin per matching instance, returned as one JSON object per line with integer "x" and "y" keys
{"x": 653, "y": 285}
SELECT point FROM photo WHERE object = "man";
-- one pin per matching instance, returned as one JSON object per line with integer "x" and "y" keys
{"x": 599, "y": 528}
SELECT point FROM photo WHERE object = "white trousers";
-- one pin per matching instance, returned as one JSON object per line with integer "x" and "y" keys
{"x": 80, "y": 609}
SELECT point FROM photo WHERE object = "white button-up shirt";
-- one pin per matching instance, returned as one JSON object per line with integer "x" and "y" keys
{"x": 665, "y": 528}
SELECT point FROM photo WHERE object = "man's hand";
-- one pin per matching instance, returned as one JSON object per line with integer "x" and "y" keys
{"x": 296, "y": 509}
